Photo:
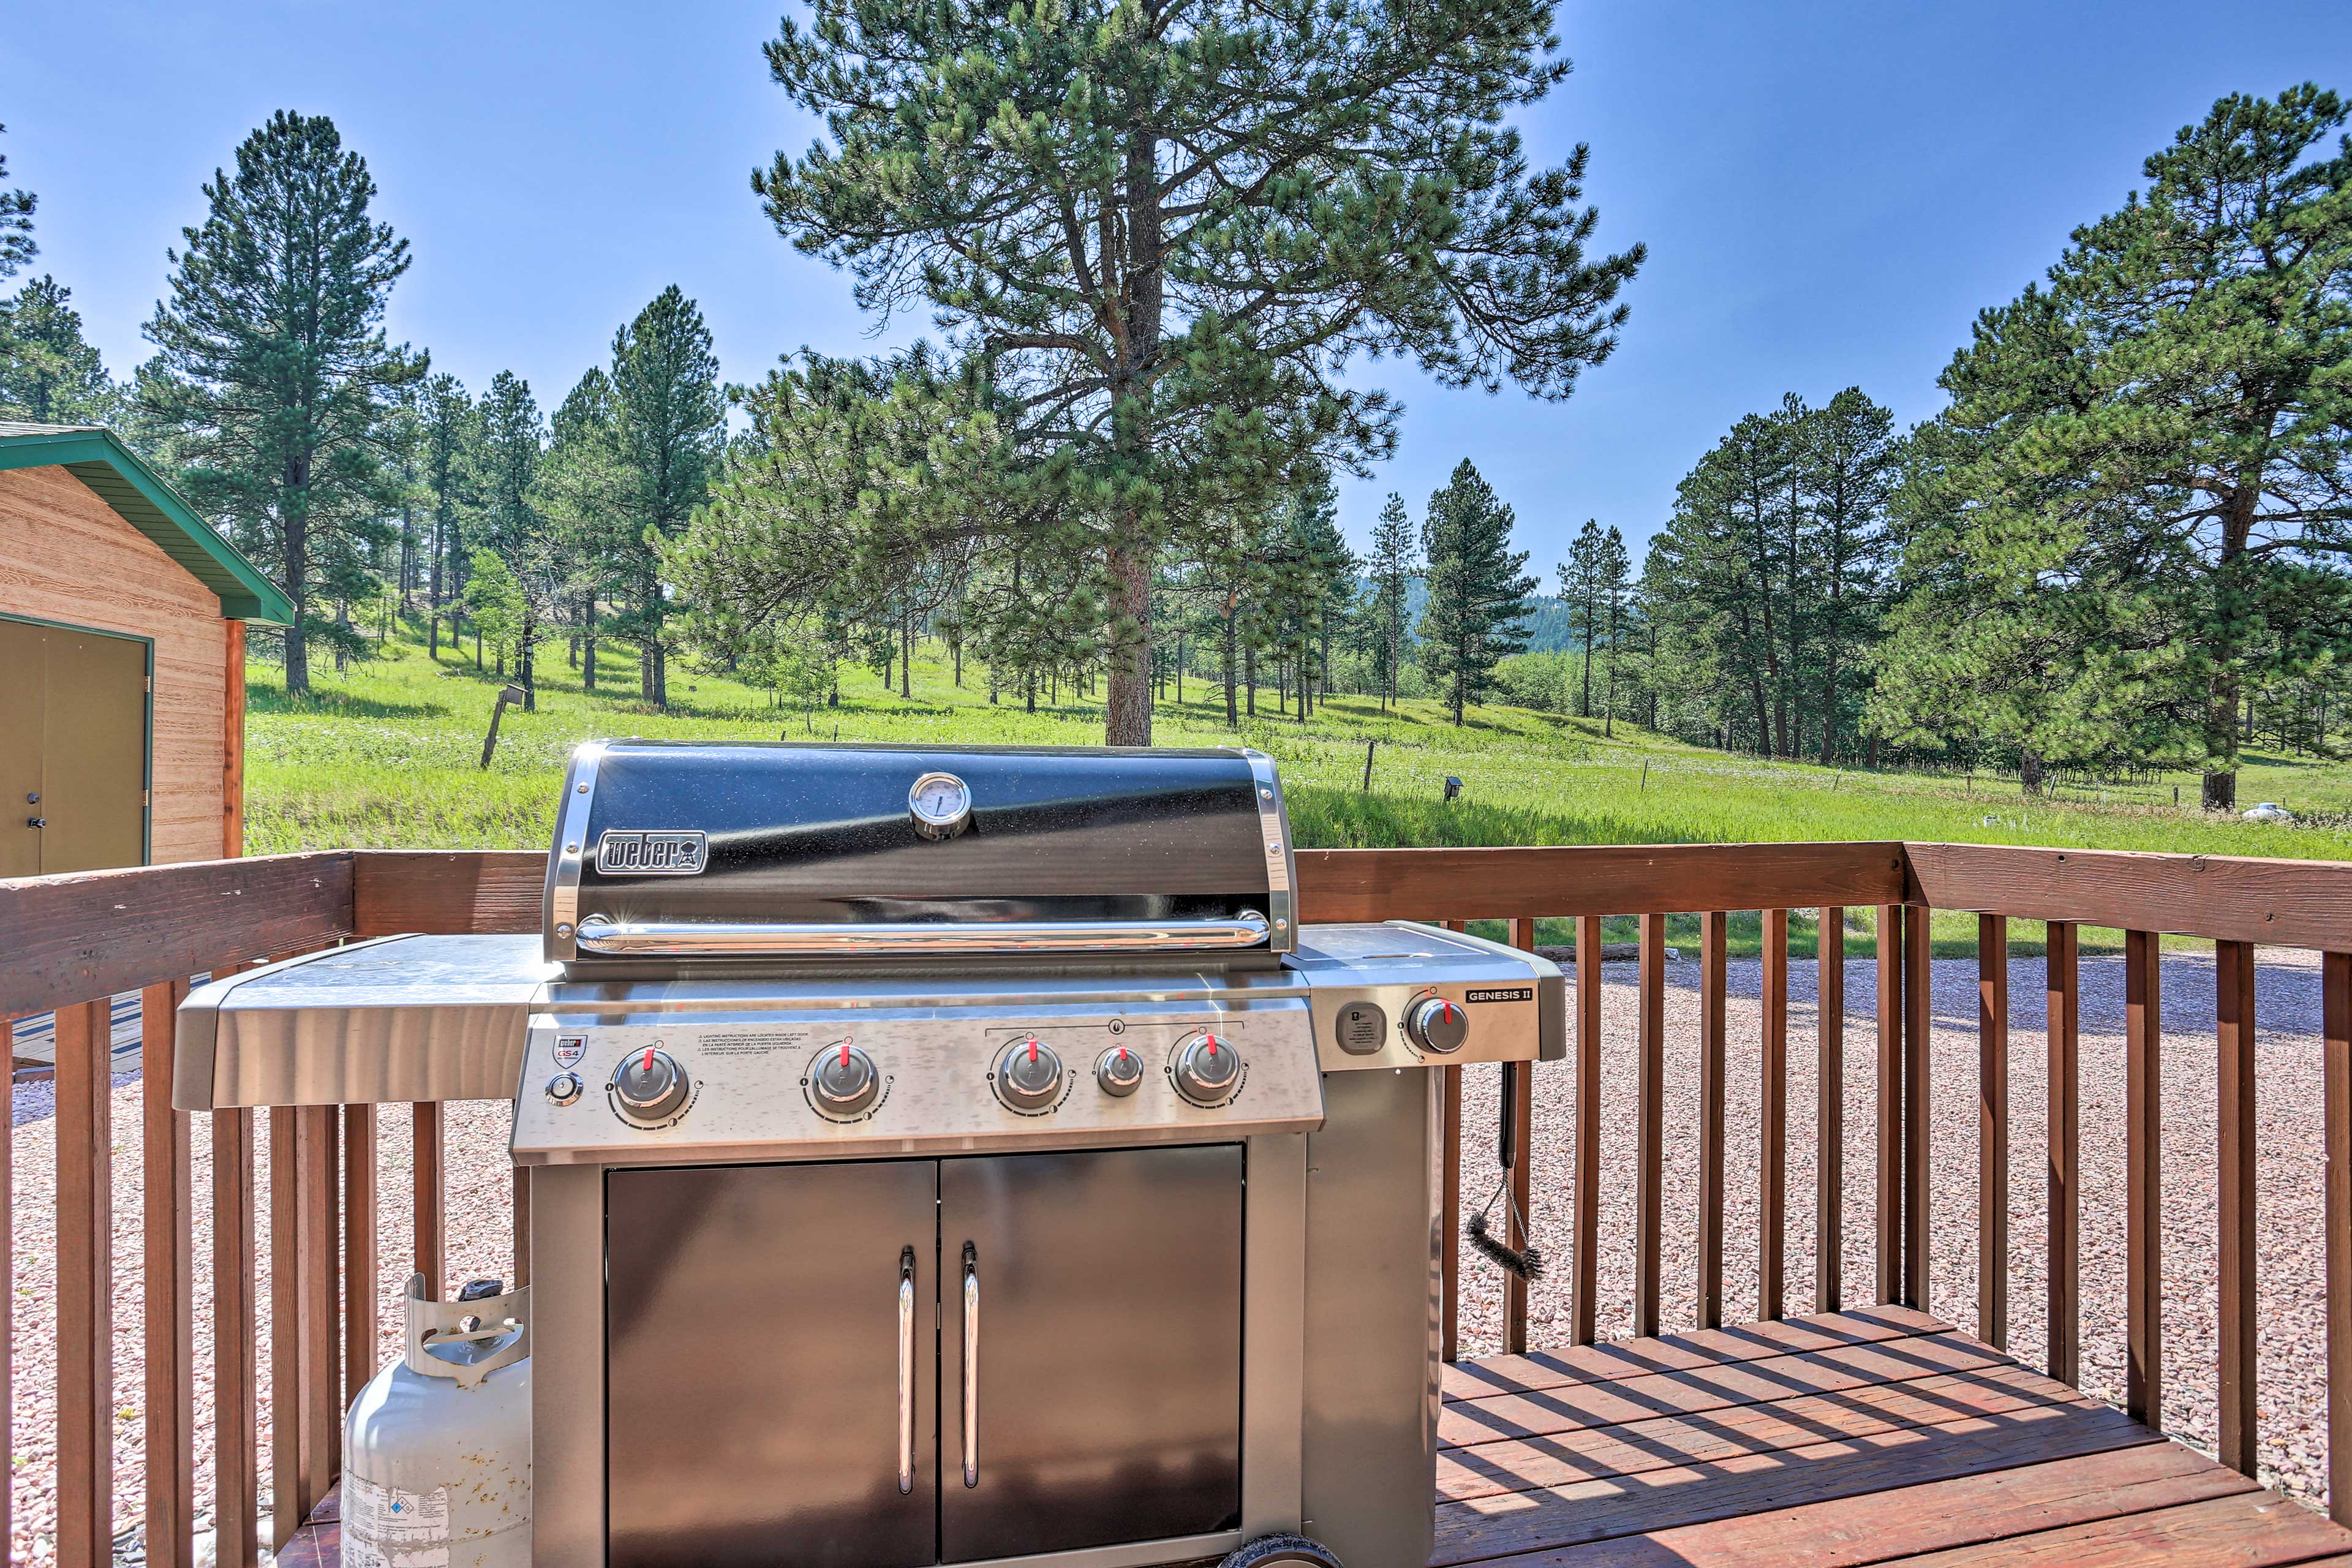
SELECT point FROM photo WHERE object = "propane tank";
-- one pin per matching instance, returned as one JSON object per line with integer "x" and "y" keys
{"x": 437, "y": 1467}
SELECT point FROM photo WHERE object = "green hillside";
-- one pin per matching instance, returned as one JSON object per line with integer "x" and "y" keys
{"x": 388, "y": 753}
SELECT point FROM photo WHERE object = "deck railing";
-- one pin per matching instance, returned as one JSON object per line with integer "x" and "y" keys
{"x": 68, "y": 943}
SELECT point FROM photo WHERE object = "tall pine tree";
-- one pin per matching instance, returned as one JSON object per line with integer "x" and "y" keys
{"x": 666, "y": 417}
{"x": 50, "y": 373}
{"x": 1163, "y": 231}
{"x": 17, "y": 244}
{"x": 1392, "y": 566}
{"x": 273, "y": 376}
{"x": 1477, "y": 588}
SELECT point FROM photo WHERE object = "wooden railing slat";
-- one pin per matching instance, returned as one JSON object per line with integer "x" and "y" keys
{"x": 2234, "y": 970}
{"x": 2293, "y": 903}
{"x": 2066, "y": 1157}
{"x": 1890, "y": 1103}
{"x": 1585, "y": 1282}
{"x": 1650, "y": 1118}
{"x": 289, "y": 1478}
{"x": 323, "y": 1382}
{"x": 1772, "y": 1176}
{"x": 1522, "y": 1079}
{"x": 430, "y": 1196}
{"x": 1712, "y": 1027}
{"x": 1993, "y": 1130}
{"x": 1450, "y": 1216}
{"x": 236, "y": 1442}
{"x": 1829, "y": 1114}
{"x": 2336, "y": 1027}
{"x": 362, "y": 1311}
{"x": 1918, "y": 1000}
{"x": 2143, "y": 1179}
{"x": 85, "y": 1139}
{"x": 168, "y": 1249}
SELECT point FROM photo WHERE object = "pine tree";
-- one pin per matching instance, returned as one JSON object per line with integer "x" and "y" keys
{"x": 16, "y": 243}
{"x": 1580, "y": 589}
{"x": 1478, "y": 592}
{"x": 2135, "y": 507}
{"x": 50, "y": 373}
{"x": 449, "y": 441}
{"x": 272, "y": 371}
{"x": 1392, "y": 566}
{"x": 510, "y": 525}
{"x": 1613, "y": 577}
{"x": 1162, "y": 233}
{"x": 584, "y": 487}
{"x": 1850, "y": 459}
{"x": 667, "y": 415}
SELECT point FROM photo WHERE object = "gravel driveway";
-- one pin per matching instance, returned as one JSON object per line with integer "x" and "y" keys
{"x": 2293, "y": 1390}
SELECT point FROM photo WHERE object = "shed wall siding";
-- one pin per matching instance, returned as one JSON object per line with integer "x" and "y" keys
{"x": 66, "y": 556}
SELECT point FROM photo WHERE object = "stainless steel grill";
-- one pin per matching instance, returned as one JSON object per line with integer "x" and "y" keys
{"x": 939, "y": 1156}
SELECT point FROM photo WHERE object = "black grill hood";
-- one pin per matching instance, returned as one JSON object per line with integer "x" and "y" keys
{"x": 750, "y": 852}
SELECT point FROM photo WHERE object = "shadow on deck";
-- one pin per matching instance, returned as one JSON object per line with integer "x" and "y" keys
{"x": 1873, "y": 1437}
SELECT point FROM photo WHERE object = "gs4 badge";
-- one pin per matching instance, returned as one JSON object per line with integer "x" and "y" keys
{"x": 650, "y": 852}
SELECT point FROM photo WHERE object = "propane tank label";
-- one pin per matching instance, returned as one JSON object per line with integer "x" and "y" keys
{"x": 384, "y": 1527}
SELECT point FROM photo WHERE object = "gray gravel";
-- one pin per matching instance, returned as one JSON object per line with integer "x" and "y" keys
{"x": 2292, "y": 1398}
{"x": 2292, "y": 1391}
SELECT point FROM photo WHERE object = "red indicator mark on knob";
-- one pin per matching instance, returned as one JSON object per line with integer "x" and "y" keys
{"x": 647, "y": 1065}
{"x": 1122, "y": 1055}
{"x": 845, "y": 1053}
{"x": 1210, "y": 1041}
{"x": 1032, "y": 1049}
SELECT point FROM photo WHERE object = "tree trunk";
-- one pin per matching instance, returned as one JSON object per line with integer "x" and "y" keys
{"x": 1231, "y": 663}
{"x": 1829, "y": 706}
{"x": 588, "y": 643}
{"x": 906, "y": 656}
{"x": 1127, "y": 708}
{"x": 2029, "y": 771}
{"x": 1249, "y": 677}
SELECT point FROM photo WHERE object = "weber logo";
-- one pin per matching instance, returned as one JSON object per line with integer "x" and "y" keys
{"x": 654, "y": 852}
{"x": 1499, "y": 993}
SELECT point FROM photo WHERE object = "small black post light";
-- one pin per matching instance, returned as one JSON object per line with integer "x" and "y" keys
{"x": 1452, "y": 786}
{"x": 498, "y": 711}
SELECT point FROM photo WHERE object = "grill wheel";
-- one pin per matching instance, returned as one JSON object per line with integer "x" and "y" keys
{"x": 1281, "y": 1551}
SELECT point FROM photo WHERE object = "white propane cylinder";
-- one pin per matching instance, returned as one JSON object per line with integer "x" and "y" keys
{"x": 436, "y": 1466}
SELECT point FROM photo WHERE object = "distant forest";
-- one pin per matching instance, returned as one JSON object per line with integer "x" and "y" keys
{"x": 2122, "y": 543}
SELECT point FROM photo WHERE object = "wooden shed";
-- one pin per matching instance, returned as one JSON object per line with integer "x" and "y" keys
{"x": 121, "y": 661}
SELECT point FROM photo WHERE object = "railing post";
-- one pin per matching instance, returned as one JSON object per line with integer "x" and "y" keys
{"x": 2233, "y": 973}
{"x": 362, "y": 1312}
{"x": 1650, "y": 1119}
{"x": 1716, "y": 926}
{"x": 1918, "y": 1006}
{"x": 1993, "y": 1130}
{"x": 1829, "y": 1095}
{"x": 85, "y": 1137}
{"x": 168, "y": 1246}
{"x": 1521, "y": 1111}
{"x": 2336, "y": 1012}
{"x": 1890, "y": 1103}
{"x": 235, "y": 1365}
{"x": 1585, "y": 1279}
{"x": 1772, "y": 1172}
{"x": 2144, "y": 1178}
{"x": 430, "y": 1199}
{"x": 2065, "y": 1158}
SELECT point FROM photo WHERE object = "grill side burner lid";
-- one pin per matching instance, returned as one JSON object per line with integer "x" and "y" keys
{"x": 677, "y": 851}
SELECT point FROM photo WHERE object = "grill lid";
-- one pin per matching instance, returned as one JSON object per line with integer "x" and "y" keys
{"x": 687, "y": 850}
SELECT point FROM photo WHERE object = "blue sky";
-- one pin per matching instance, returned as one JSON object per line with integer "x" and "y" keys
{"x": 1829, "y": 191}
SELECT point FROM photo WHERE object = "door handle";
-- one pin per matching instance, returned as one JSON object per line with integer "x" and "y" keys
{"x": 906, "y": 1370}
{"x": 970, "y": 1364}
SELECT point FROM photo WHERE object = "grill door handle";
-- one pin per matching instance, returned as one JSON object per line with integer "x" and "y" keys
{"x": 906, "y": 1370}
{"x": 970, "y": 1364}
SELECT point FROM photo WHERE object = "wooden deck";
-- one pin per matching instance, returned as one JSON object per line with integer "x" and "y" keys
{"x": 1874, "y": 1436}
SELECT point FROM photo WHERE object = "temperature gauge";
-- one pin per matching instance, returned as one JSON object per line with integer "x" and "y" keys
{"x": 940, "y": 806}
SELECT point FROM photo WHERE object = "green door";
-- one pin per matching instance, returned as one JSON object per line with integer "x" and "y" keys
{"x": 73, "y": 750}
{"x": 24, "y": 684}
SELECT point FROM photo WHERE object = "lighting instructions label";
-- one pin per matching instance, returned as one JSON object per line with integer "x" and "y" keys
{"x": 384, "y": 1527}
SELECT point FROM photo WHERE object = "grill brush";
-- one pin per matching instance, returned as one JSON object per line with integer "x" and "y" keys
{"x": 1527, "y": 1262}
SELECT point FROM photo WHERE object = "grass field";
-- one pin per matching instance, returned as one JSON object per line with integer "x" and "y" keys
{"x": 388, "y": 755}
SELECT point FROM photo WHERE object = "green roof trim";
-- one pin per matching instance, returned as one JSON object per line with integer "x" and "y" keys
{"x": 117, "y": 476}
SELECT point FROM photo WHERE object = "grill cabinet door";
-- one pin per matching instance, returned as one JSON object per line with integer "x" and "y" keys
{"x": 752, "y": 1366}
{"x": 1109, "y": 1348}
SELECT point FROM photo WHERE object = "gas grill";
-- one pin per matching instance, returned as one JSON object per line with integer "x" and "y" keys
{"x": 939, "y": 1156}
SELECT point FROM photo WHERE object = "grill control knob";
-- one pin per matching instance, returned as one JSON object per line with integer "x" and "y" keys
{"x": 1436, "y": 1025}
{"x": 841, "y": 1080}
{"x": 1208, "y": 1069}
{"x": 1119, "y": 1071}
{"x": 649, "y": 1085}
{"x": 1029, "y": 1075}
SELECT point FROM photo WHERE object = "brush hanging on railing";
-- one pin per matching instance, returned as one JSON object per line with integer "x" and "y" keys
{"x": 1527, "y": 1262}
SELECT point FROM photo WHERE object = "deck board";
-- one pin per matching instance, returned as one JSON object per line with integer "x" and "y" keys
{"x": 1881, "y": 1436}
